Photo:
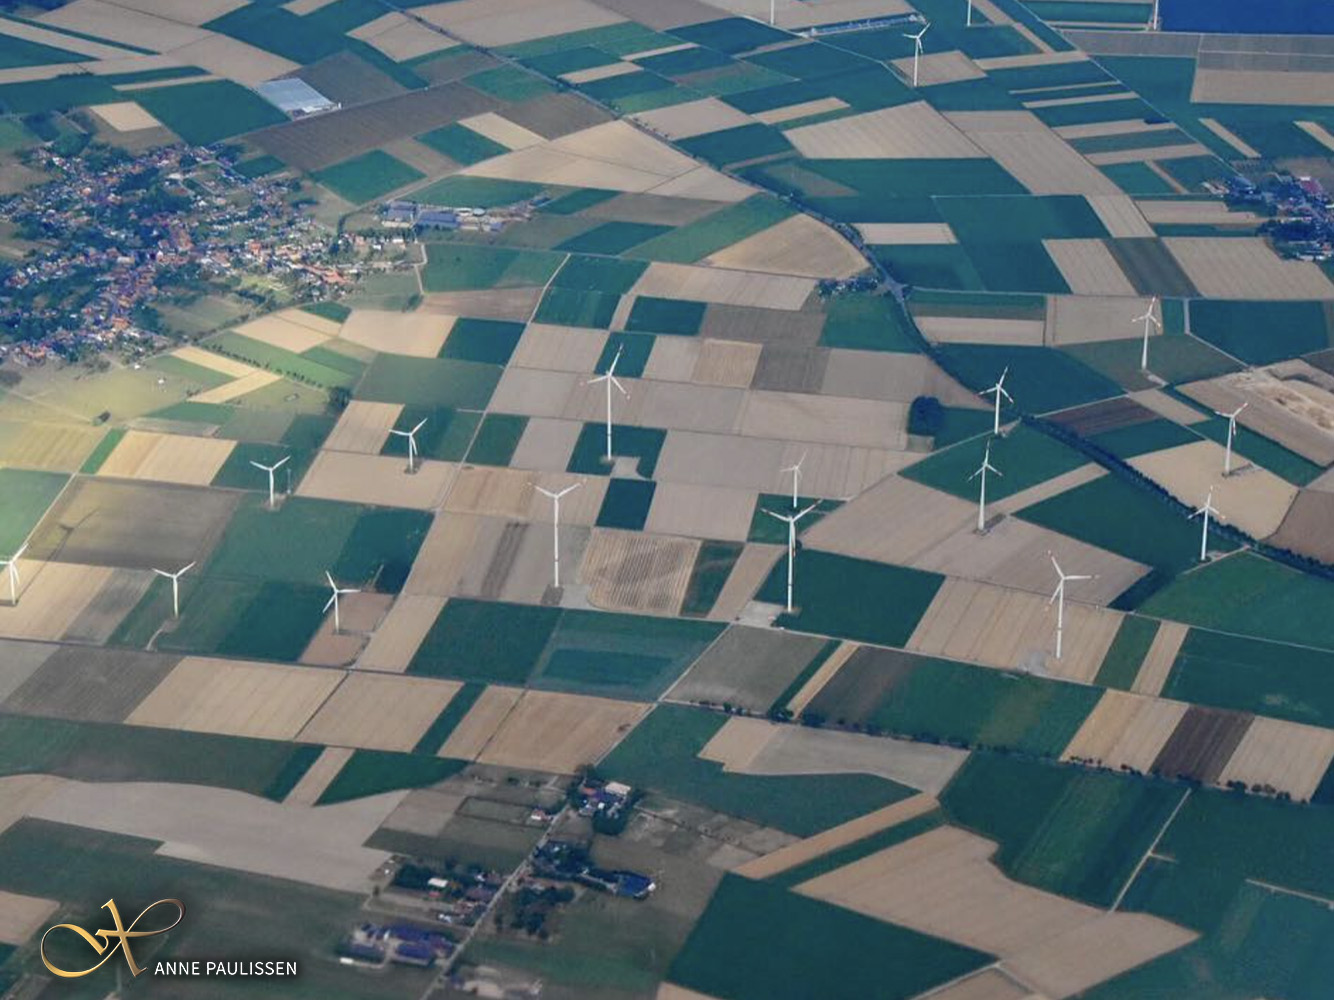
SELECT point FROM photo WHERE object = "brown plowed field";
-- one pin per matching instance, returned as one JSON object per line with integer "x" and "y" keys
{"x": 1202, "y": 744}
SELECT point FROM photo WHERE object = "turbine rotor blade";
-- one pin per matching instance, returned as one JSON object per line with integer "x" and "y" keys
{"x": 329, "y": 603}
{"x": 281, "y": 463}
{"x": 329, "y": 576}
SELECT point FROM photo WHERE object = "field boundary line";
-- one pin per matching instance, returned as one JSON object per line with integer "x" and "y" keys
{"x": 1285, "y": 891}
{"x": 1120, "y": 896}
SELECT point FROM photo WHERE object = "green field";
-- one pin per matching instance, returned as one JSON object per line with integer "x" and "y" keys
{"x": 102, "y": 452}
{"x": 497, "y": 436}
{"x": 238, "y": 474}
{"x": 371, "y": 772}
{"x": 476, "y": 192}
{"x": 1041, "y": 379}
{"x": 626, "y": 504}
{"x": 487, "y": 341}
{"x": 1262, "y": 451}
{"x": 660, "y": 756}
{"x": 598, "y": 274}
{"x": 1121, "y": 665}
{"x": 430, "y": 382}
{"x": 367, "y": 177}
{"x": 757, "y": 941}
{"x": 485, "y": 641}
{"x": 671, "y": 316}
{"x": 732, "y": 145}
{"x": 461, "y": 144}
{"x": 613, "y": 237}
{"x": 204, "y": 113}
{"x": 15, "y": 52}
{"x": 1172, "y": 358}
{"x": 689, "y": 243}
{"x": 1025, "y": 457}
{"x": 644, "y": 443}
{"x": 1261, "y": 332}
{"x": 1008, "y": 220}
{"x": 1251, "y": 595}
{"x": 1064, "y": 829}
{"x": 27, "y": 494}
{"x": 867, "y": 323}
{"x": 572, "y": 307}
{"x": 276, "y": 359}
{"x": 455, "y": 267}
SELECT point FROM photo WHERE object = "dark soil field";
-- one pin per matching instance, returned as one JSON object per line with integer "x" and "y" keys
{"x": 1202, "y": 743}
{"x": 90, "y": 685}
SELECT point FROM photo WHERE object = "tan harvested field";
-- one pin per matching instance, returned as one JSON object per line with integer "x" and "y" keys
{"x": 989, "y": 984}
{"x": 1125, "y": 730}
{"x": 56, "y": 39}
{"x": 896, "y": 521}
{"x": 701, "y": 511}
{"x": 674, "y": 359}
{"x": 443, "y": 556}
{"x": 726, "y": 362}
{"x": 126, "y": 116}
{"x": 1048, "y": 488}
{"x": 1038, "y": 101}
{"x": 1120, "y": 215}
{"x": 637, "y": 572}
{"x": 1079, "y": 319}
{"x": 52, "y": 596}
{"x": 801, "y": 14}
{"x": 822, "y": 676}
{"x": 213, "y": 360}
{"x": 1318, "y": 132}
{"x": 910, "y": 233}
{"x": 681, "y": 121}
{"x": 502, "y": 130}
{"x": 20, "y": 794}
{"x": 471, "y": 736}
{"x": 228, "y": 57}
{"x": 320, "y": 775}
{"x": 382, "y": 480}
{"x": 1295, "y": 411}
{"x": 939, "y": 67}
{"x": 982, "y": 330}
{"x": 738, "y": 741}
{"x": 1158, "y": 661}
{"x": 1254, "y": 500}
{"x": 281, "y": 332}
{"x": 1196, "y": 213}
{"x": 907, "y": 131}
{"x": 546, "y": 444}
{"x": 559, "y": 348}
{"x": 1281, "y": 756}
{"x": 1306, "y": 527}
{"x": 670, "y": 991}
{"x": 537, "y": 393}
{"x": 596, "y": 73}
{"x": 1167, "y": 406}
{"x": 892, "y": 378}
{"x": 1043, "y": 57}
{"x": 1241, "y": 86}
{"x": 751, "y": 569}
{"x": 1088, "y": 267}
{"x": 819, "y": 106}
{"x": 27, "y": 74}
{"x": 400, "y": 38}
{"x": 790, "y": 416}
{"x": 23, "y": 916}
{"x": 1124, "y": 127}
{"x": 547, "y": 731}
{"x": 670, "y": 405}
{"x": 1035, "y": 155}
{"x": 57, "y": 447}
{"x": 797, "y": 245}
{"x": 1232, "y": 139}
{"x": 167, "y": 458}
{"x": 242, "y": 386}
{"x": 417, "y": 334}
{"x": 363, "y": 427}
{"x": 944, "y": 883}
{"x": 1246, "y": 268}
{"x": 118, "y": 23}
{"x": 236, "y": 698}
{"x": 704, "y": 184}
{"x": 838, "y": 836}
{"x": 505, "y": 22}
{"x": 185, "y": 11}
{"x": 1155, "y": 153}
{"x": 379, "y": 711}
{"x": 1014, "y": 630}
{"x": 511, "y": 494}
{"x": 359, "y": 615}
{"x": 713, "y": 284}
{"x": 395, "y": 642}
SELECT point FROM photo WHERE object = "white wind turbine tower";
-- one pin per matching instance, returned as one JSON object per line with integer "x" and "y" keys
{"x": 917, "y": 50}
{"x": 1154, "y": 22}
{"x": 982, "y": 471}
{"x": 772, "y": 12}
{"x": 175, "y": 579}
{"x": 412, "y": 442}
{"x": 796, "y": 479}
{"x": 1149, "y": 320}
{"x": 1205, "y": 511}
{"x": 333, "y": 599}
{"x": 999, "y": 390}
{"x": 1058, "y": 595}
{"x": 611, "y": 380}
{"x": 968, "y": 20}
{"x": 271, "y": 469}
{"x": 791, "y": 521}
{"x": 555, "y": 525}
{"x": 1231, "y": 432}
{"x": 11, "y": 566}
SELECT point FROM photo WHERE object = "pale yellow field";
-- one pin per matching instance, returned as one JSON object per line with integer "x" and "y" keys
{"x": 1281, "y": 756}
{"x": 907, "y": 131}
{"x": 1155, "y": 153}
{"x": 213, "y": 360}
{"x": 55, "y": 39}
{"x": 706, "y": 184}
{"x": 1196, "y": 213}
{"x": 1120, "y": 215}
{"x": 1254, "y": 500}
{"x": 797, "y": 245}
{"x": 319, "y": 776}
{"x": 1284, "y": 403}
{"x": 23, "y": 916}
{"x": 637, "y": 572}
{"x": 443, "y": 556}
{"x": 896, "y": 521}
{"x": 547, "y": 731}
{"x": 1232, "y": 139}
{"x": 912, "y": 233}
{"x": 400, "y": 38}
{"x": 505, "y": 22}
{"x": 819, "y": 106}
{"x": 502, "y": 130}
{"x": 1167, "y": 406}
{"x": 233, "y": 59}
{"x": 1088, "y": 267}
{"x": 595, "y": 73}
{"x": 822, "y": 676}
{"x": 751, "y": 569}
{"x": 1158, "y": 661}
{"x": 944, "y": 883}
{"x": 185, "y": 11}
{"x": 167, "y": 458}
{"x": 395, "y": 642}
{"x": 471, "y": 736}
{"x": 939, "y": 67}
{"x": 1241, "y": 86}
{"x": 1037, "y": 157}
{"x": 20, "y": 794}
{"x": 791, "y": 416}
{"x": 681, "y": 121}
{"x": 726, "y": 363}
{"x": 242, "y": 386}
{"x": 1043, "y": 57}
{"x": 697, "y": 511}
{"x": 1124, "y": 127}
{"x": 559, "y": 348}
{"x": 51, "y": 598}
{"x": 120, "y": 24}
{"x": 989, "y": 984}
{"x": 1246, "y": 268}
{"x": 713, "y": 284}
{"x": 839, "y": 836}
{"x": 363, "y": 427}
{"x": 980, "y": 330}
{"x": 236, "y": 698}
{"x": 376, "y": 479}
{"x": 738, "y": 741}
{"x": 281, "y": 332}
{"x": 416, "y": 334}
{"x": 1318, "y": 132}
{"x": 125, "y": 116}
{"x": 359, "y": 615}
{"x": 1125, "y": 730}
{"x": 379, "y": 711}
{"x": 27, "y": 74}
{"x": 1078, "y": 319}
{"x": 801, "y": 14}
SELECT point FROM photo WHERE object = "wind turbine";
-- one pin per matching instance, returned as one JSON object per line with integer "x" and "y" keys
{"x": 1231, "y": 432}
{"x": 1149, "y": 320}
{"x": 1058, "y": 595}
{"x": 611, "y": 380}
{"x": 555, "y": 524}
{"x": 271, "y": 469}
{"x": 796, "y": 478}
{"x": 917, "y": 50}
{"x": 333, "y": 599}
{"x": 175, "y": 579}
{"x": 772, "y": 5}
{"x": 999, "y": 390}
{"x": 1154, "y": 22}
{"x": 982, "y": 471}
{"x": 791, "y": 521}
{"x": 412, "y": 442}
{"x": 11, "y": 566}
{"x": 968, "y": 20}
{"x": 1206, "y": 510}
